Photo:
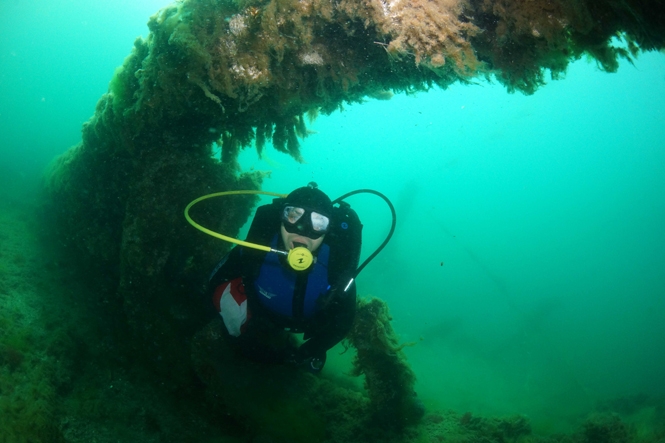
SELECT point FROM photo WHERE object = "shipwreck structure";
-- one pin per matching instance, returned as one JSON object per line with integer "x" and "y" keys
{"x": 249, "y": 72}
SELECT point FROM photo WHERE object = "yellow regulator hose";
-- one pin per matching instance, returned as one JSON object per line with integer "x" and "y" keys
{"x": 225, "y": 237}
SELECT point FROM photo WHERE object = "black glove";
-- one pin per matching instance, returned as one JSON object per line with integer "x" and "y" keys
{"x": 313, "y": 364}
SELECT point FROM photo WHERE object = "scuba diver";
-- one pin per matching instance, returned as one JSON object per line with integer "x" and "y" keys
{"x": 264, "y": 297}
{"x": 295, "y": 274}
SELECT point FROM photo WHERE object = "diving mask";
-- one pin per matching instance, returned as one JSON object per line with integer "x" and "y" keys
{"x": 305, "y": 222}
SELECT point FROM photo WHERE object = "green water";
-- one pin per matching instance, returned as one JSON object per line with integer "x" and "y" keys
{"x": 529, "y": 254}
{"x": 528, "y": 264}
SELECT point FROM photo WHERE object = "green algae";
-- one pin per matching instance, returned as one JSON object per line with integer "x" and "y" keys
{"x": 389, "y": 380}
{"x": 28, "y": 359}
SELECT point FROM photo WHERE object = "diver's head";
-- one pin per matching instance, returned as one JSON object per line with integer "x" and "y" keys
{"x": 306, "y": 217}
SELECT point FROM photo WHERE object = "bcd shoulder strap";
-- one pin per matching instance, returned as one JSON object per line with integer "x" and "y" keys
{"x": 345, "y": 241}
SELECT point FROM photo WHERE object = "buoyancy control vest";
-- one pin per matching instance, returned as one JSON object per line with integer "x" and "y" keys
{"x": 289, "y": 293}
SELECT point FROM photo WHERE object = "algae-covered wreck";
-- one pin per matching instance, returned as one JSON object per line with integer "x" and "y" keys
{"x": 237, "y": 73}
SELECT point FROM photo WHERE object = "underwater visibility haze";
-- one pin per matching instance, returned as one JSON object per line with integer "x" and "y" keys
{"x": 525, "y": 279}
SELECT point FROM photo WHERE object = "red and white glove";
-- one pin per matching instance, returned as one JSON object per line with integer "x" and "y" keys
{"x": 231, "y": 303}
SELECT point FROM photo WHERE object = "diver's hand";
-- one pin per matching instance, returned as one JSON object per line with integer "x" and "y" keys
{"x": 313, "y": 364}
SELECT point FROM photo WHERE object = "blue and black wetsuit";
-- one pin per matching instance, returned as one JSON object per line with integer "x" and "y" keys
{"x": 281, "y": 299}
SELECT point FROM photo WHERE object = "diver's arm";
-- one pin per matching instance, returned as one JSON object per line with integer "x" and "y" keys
{"x": 332, "y": 323}
{"x": 227, "y": 269}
